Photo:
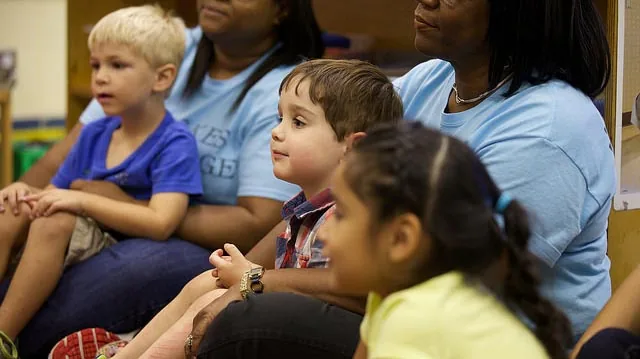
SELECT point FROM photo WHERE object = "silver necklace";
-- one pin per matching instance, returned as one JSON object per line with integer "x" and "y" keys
{"x": 482, "y": 96}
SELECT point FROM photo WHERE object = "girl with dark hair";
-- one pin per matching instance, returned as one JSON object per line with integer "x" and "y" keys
{"x": 227, "y": 93}
{"x": 514, "y": 79}
{"x": 449, "y": 272}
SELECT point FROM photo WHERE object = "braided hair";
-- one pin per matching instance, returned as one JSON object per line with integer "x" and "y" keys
{"x": 409, "y": 168}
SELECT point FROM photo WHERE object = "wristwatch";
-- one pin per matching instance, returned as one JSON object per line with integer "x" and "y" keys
{"x": 251, "y": 282}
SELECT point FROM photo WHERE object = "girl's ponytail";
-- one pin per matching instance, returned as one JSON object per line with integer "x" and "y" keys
{"x": 521, "y": 285}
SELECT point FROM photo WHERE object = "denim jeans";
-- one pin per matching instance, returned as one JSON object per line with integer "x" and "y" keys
{"x": 282, "y": 325}
{"x": 120, "y": 289}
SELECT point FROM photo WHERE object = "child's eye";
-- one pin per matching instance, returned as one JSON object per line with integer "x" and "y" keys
{"x": 280, "y": 119}
{"x": 118, "y": 65}
{"x": 297, "y": 123}
{"x": 94, "y": 66}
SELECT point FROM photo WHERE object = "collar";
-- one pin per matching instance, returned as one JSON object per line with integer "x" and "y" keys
{"x": 300, "y": 207}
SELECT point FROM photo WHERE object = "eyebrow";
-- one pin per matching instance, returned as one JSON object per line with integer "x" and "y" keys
{"x": 302, "y": 109}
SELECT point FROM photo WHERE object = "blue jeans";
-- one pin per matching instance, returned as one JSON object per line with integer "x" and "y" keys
{"x": 120, "y": 289}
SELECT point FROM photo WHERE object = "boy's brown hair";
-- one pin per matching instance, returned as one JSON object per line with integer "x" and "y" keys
{"x": 355, "y": 95}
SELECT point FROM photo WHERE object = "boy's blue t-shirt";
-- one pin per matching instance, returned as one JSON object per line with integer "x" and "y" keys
{"x": 166, "y": 161}
{"x": 547, "y": 145}
{"x": 233, "y": 146}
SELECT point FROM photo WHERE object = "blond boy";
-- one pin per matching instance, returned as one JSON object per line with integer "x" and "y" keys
{"x": 139, "y": 147}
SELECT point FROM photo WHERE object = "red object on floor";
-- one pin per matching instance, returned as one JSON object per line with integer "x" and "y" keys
{"x": 83, "y": 344}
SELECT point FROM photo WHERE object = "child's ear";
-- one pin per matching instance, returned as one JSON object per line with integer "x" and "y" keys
{"x": 406, "y": 238}
{"x": 352, "y": 139}
{"x": 165, "y": 75}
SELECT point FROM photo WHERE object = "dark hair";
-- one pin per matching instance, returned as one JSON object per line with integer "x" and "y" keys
{"x": 299, "y": 37}
{"x": 355, "y": 95}
{"x": 409, "y": 168}
{"x": 539, "y": 40}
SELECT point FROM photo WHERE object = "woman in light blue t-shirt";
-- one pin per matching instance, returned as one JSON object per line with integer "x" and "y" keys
{"x": 514, "y": 79}
{"x": 227, "y": 93}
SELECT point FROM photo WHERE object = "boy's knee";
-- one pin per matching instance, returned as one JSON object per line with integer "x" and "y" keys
{"x": 57, "y": 227}
{"x": 14, "y": 226}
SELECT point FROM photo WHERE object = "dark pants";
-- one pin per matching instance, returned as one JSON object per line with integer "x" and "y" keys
{"x": 282, "y": 325}
{"x": 119, "y": 289}
{"x": 611, "y": 343}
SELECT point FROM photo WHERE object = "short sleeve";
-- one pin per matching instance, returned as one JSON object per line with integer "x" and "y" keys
{"x": 255, "y": 167}
{"x": 92, "y": 112}
{"x": 70, "y": 170}
{"x": 398, "y": 334}
{"x": 176, "y": 168}
{"x": 551, "y": 187}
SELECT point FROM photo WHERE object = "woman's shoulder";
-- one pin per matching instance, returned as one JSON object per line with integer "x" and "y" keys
{"x": 431, "y": 71}
{"x": 192, "y": 37}
{"x": 425, "y": 80}
{"x": 264, "y": 94}
{"x": 561, "y": 110}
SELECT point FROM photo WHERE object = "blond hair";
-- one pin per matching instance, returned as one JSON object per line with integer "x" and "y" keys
{"x": 148, "y": 30}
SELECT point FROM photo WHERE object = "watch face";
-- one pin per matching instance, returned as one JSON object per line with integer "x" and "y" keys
{"x": 257, "y": 287}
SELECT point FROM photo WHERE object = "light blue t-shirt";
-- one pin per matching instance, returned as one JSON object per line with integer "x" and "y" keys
{"x": 235, "y": 159}
{"x": 547, "y": 146}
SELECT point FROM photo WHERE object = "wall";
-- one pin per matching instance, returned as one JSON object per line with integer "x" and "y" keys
{"x": 37, "y": 29}
{"x": 631, "y": 54}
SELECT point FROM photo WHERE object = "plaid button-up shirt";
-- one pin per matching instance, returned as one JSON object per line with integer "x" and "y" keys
{"x": 297, "y": 247}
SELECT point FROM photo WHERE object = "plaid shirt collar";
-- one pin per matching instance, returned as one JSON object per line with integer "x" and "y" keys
{"x": 300, "y": 207}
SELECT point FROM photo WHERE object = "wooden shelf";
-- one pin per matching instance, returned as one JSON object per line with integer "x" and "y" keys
{"x": 81, "y": 91}
{"x": 6, "y": 147}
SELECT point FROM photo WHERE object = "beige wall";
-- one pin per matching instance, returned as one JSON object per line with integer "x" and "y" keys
{"x": 631, "y": 78}
{"x": 37, "y": 29}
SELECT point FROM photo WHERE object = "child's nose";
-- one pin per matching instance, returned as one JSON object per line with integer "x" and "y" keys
{"x": 276, "y": 133}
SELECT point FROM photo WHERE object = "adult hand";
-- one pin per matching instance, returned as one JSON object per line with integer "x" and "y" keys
{"x": 229, "y": 269}
{"x": 12, "y": 196}
{"x": 51, "y": 201}
{"x": 205, "y": 317}
{"x": 102, "y": 188}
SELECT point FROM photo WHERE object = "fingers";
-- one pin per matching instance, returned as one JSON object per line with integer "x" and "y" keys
{"x": 217, "y": 253}
{"x": 233, "y": 251}
{"x": 40, "y": 206}
{"x": 220, "y": 284}
{"x": 12, "y": 200}
{"x": 200, "y": 324}
{"x": 53, "y": 208}
{"x": 217, "y": 261}
{"x": 3, "y": 199}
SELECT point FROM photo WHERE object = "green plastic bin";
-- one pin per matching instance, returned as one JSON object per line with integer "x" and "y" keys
{"x": 25, "y": 155}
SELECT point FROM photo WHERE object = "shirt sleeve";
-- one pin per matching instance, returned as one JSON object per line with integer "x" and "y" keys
{"x": 551, "y": 187}
{"x": 255, "y": 167}
{"x": 70, "y": 170}
{"x": 92, "y": 113}
{"x": 176, "y": 169}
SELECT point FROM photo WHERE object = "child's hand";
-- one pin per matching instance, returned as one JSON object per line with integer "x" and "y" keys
{"x": 12, "y": 196}
{"x": 229, "y": 270}
{"x": 49, "y": 202}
